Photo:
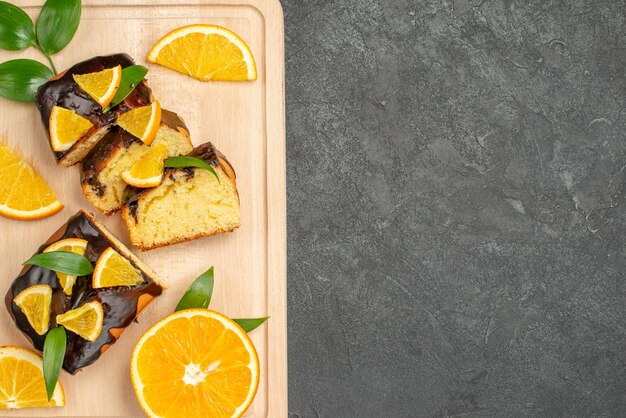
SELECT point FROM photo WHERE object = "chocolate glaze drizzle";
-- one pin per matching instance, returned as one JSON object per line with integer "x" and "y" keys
{"x": 119, "y": 303}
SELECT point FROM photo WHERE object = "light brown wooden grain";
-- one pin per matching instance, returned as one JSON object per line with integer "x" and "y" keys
{"x": 245, "y": 121}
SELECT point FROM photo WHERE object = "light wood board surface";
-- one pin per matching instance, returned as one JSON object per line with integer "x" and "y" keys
{"x": 245, "y": 121}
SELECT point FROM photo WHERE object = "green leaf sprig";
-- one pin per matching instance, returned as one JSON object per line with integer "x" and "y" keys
{"x": 250, "y": 323}
{"x": 62, "y": 262}
{"x": 131, "y": 77}
{"x": 199, "y": 293}
{"x": 56, "y": 26}
{"x": 20, "y": 79}
{"x": 199, "y": 296}
{"x": 53, "y": 354}
{"x": 185, "y": 161}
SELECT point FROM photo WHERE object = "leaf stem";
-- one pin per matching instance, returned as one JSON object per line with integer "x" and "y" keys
{"x": 49, "y": 58}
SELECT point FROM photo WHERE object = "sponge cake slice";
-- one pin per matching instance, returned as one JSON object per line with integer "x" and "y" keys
{"x": 190, "y": 203}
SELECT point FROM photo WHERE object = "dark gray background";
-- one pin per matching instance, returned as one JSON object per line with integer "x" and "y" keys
{"x": 456, "y": 208}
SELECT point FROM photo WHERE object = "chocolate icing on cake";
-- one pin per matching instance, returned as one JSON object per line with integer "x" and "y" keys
{"x": 120, "y": 303}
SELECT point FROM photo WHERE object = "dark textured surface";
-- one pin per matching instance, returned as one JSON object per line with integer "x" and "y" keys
{"x": 456, "y": 208}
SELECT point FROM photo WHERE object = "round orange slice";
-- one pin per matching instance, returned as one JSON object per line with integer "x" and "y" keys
{"x": 114, "y": 270}
{"x": 85, "y": 321}
{"x": 195, "y": 363}
{"x": 71, "y": 245}
{"x": 21, "y": 381}
{"x": 148, "y": 170}
{"x": 23, "y": 193}
{"x": 205, "y": 52}
{"x": 35, "y": 304}
{"x": 143, "y": 122}
{"x": 101, "y": 86}
{"x": 66, "y": 127}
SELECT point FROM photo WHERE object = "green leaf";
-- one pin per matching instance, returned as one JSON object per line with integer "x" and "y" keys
{"x": 20, "y": 79}
{"x": 53, "y": 354}
{"x": 199, "y": 293}
{"x": 184, "y": 161}
{"x": 17, "y": 30}
{"x": 63, "y": 262}
{"x": 250, "y": 324}
{"x": 131, "y": 77}
{"x": 57, "y": 23}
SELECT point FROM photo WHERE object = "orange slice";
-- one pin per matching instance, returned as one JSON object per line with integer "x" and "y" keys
{"x": 101, "y": 86}
{"x": 143, "y": 122}
{"x": 148, "y": 170}
{"x": 35, "y": 303}
{"x": 195, "y": 363}
{"x": 23, "y": 193}
{"x": 114, "y": 270}
{"x": 21, "y": 381}
{"x": 205, "y": 52}
{"x": 85, "y": 321}
{"x": 70, "y": 245}
{"x": 66, "y": 127}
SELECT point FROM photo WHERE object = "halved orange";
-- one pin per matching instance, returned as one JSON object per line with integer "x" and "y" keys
{"x": 23, "y": 193}
{"x": 21, "y": 381}
{"x": 101, "y": 86}
{"x": 112, "y": 269}
{"x": 85, "y": 321}
{"x": 35, "y": 304}
{"x": 71, "y": 245}
{"x": 148, "y": 170}
{"x": 66, "y": 127}
{"x": 143, "y": 122}
{"x": 195, "y": 363}
{"x": 205, "y": 52}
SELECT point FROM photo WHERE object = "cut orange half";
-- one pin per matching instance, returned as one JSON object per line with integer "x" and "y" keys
{"x": 205, "y": 52}
{"x": 70, "y": 245}
{"x": 195, "y": 363}
{"x": 85, "y": 321}
{"x": 66, "y": 127}
{"x": 143, "y": 122}
{"x": 148, "y": 170}
{"x": 23, "y": 193}
{"x": 114, "y": 270}
{"x": 35, "y": 304}
{"x": 101, "y": 86}
{"x": 21, "y": 381}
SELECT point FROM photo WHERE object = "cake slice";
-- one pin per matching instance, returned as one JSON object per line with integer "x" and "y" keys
{"x": 63, "y": 92}
{"x": 119, "y": 305}
{"x": 102, "y": 168}
{"x": 190, "y": 203}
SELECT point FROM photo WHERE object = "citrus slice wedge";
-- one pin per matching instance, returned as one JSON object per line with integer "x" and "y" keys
{"x": 35, "y": 303}
{"x": 70, "y": 245}
{"x": 148, "y": 170}
{"x": 195, "y": 363}
{"x": 66, "y": 127}
{"x": 21, "y": 381}
{"x": 143, "y": 122}
{"x": 205, "y": 52}
{"x": 114, "y": 270}
{"x": 85, "y": 321}
{"x": 101, "y": 86}
{"x": 23, "y": 193}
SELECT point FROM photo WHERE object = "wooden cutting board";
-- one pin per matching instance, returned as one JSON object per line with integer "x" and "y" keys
{"x": 245, "y": 121}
